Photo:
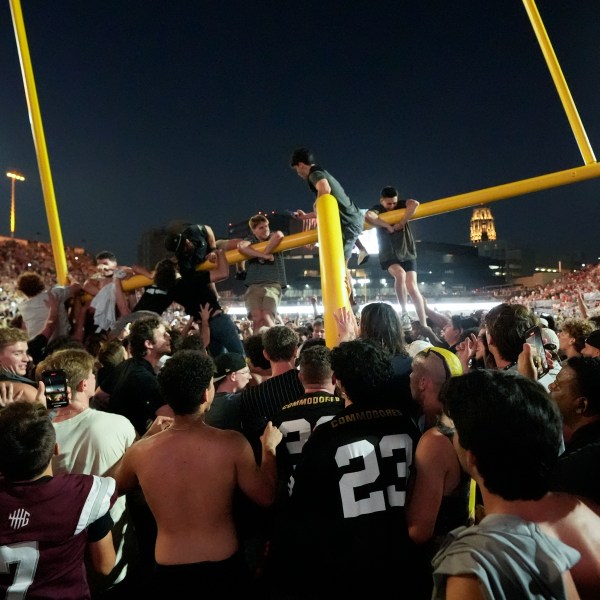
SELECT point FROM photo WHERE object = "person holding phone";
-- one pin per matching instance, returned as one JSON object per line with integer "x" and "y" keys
{"x": 55, "y": 384}
{"x": 538, "y": 353}
{"x": 507, "y": 327}
{"x": 91, "y": 442}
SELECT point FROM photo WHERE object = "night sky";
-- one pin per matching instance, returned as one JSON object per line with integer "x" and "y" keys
{"x": 162, "y": 110}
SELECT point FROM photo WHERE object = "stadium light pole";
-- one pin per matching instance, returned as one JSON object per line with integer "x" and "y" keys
{"x": 14, "y": 177}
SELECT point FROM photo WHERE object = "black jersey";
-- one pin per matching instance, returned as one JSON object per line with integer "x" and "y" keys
{"x": 346, "y": 515}
{"x": 194, "y": 291}
{"x": 260, "y": 403}
{"x": 296, "y": 421}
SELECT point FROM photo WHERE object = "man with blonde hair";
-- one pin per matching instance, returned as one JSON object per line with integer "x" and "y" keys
{"x": 91, "y": 442}
{"x": 265, "y": 273}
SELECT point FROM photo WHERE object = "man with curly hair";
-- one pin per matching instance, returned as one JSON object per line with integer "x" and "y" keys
{"x": 191, "y": 465}
{"x": 572, "y": 335}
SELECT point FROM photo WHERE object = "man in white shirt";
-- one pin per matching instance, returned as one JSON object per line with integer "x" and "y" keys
{"x": 35, "y": 308}
{"x": 91, "y": 442}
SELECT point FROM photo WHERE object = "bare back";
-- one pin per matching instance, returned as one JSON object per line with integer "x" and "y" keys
{"x": 189, "y": 476}
{"x": 567, "y": 518}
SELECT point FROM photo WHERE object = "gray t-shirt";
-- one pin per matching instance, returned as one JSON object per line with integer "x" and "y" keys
{"x": 262, "y": 272}
{"x": 351, "y": 218}
{"x": 512, "y": 558}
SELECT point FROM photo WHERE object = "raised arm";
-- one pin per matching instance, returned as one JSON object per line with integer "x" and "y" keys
{"x": 583, "y": 309}
{"x": 259, "y": 483}
{"x": 302, "y": 216}
{"x": 52, "y": 320}
{"x": 140, "y": 270}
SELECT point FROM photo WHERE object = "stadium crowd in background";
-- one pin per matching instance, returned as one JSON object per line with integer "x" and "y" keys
{"x": 397, "y": 406}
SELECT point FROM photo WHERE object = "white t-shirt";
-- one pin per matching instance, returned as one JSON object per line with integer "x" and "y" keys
{"x": 35, "y": 312}
{"x": 91, "y": 443}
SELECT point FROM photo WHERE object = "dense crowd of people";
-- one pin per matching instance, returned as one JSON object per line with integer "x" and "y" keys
{"x": 222, "y": 453}
{"x": 564, "y": 295}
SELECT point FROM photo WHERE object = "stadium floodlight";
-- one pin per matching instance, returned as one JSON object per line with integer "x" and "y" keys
{"x": 14, "y": 177}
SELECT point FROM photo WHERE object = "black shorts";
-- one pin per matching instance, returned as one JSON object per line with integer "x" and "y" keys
{"x": 407, "y": 265}
{"x": 219, "y": 578}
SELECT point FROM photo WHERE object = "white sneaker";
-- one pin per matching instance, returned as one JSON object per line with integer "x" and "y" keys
{"x": 363, "y": 257}
{"x": 406, "y": 322}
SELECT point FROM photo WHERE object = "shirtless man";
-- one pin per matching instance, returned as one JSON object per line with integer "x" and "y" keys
{"x": 106, "y": 305}
{"x": 189, "y": 474}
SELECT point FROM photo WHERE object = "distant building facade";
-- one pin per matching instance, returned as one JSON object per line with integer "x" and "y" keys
{"x": 483, "y": 228}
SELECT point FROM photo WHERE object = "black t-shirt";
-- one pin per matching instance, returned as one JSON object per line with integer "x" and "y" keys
{"x": 399, "y": 245}
{"x": 154, "y": 299}
{"x": 574, "y": 470}
{"x": 134, "y": 392}
{"x": 347, "y": 508}
{"x": 194, "y": 291}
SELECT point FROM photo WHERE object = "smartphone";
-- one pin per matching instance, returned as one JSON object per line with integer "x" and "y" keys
{"x": 56, "y": 388}
{"x": 534, "y": 338}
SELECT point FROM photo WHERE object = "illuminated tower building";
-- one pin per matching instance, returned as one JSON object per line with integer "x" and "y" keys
{"x": 482, "y": 226}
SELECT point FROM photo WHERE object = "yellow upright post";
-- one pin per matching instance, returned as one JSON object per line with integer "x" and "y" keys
{"x": 560, "y": 82}
{"x": 332, "y": 263}
{"x": 39, "y": 141}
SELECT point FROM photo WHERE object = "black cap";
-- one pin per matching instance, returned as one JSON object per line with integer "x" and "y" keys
{"x": 173, "y": 242}
{"x": 594, "y": 339}
{"x": 228, "y": 362}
